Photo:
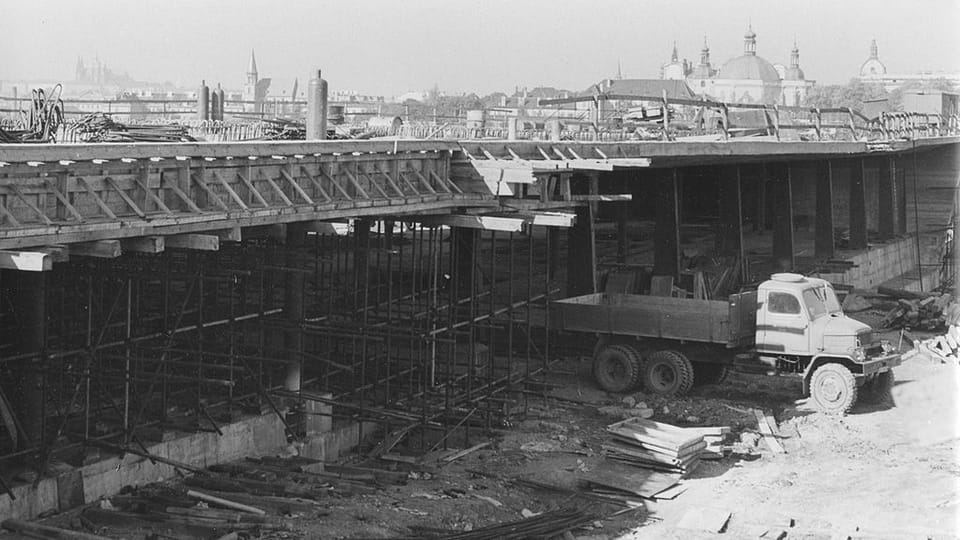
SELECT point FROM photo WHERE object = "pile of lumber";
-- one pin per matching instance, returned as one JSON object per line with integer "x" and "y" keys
{"x": 923, "y": 311}
{"x": 663, "y": 447}
{"x": 945, "y": 348}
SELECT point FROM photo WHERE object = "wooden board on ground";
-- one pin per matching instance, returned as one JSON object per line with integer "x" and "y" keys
{"x": 767, "y": 432}
{"x": 705, "y": 519}
{"x": 621, "y": 477}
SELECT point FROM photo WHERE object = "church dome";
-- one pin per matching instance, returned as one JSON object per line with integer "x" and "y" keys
{"x": 794, "y": 74}
{"x": 750, "y": 67}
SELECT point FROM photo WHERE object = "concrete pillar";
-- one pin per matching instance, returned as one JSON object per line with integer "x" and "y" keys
{"x": 760, "y": 225}
{"x": 317, "y": 109}
{"x": 293, "y": 312}
{"x": 361, "y": 235}
{"x": 899, "y": 175}
{"x": 782, "y": 214}
{"x": 512, "y": 129}
{"x": 623, "y": 240}
{"x": 666, "y": 236}
{"x": 28, "y": 297}
{"x": 582, "y": 254}
{"x": 858, "y": 206}
{"x": 886, "y": 216}
{"x": 823, "y": 244}
{"x": 553, "y": 244}
{"x": 730, "y": 235}
{"x": 465, "y": 245}
{"x": 553, "y": 129}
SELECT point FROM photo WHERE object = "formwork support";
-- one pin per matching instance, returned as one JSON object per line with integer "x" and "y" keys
{"x": 824, "y": 245}
{"x": 886, "y": 217}
{"x": 29, "y": 299}
{"x": 780, "y": 184}
{"x": 293, "y": 310}
{"x": 666, "y": 250}
{"x": 858, "y": 206}
{"x": 899, "y": 172}
{"x": 730, "y": 239}
{"x": 582, "y": 254}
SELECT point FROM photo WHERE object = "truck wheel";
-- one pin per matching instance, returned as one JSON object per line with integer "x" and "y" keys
{"x": 833, "y": 389}
{"x": 709, "y": 373}
{"x": 667, "y": 373}
{"x": 616, "y": 368}
{"x": 877, "y": 390}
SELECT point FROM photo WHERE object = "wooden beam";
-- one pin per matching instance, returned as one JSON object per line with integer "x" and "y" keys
{"x": 487, "y": 223}
{"x": 57, "y": 252}
{"x": 666, "y": 235}
{"x": 201, "y": 242}
{"x": 783, "y": 245}
{"x": 554, "y": 219}
{"x": 603, "y": 198}
{"x": 339, "y": 228}
{"x": 232, "y": 234}
{"x": 27, "y": 261}
{"x": 102, "y": 249}
{"x": 276, "y": 231}
{"x": 143, "y": 244}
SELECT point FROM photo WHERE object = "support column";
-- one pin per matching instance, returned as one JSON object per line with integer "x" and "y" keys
{"x": 858, "y": 206}
{"x": 886, "y": 217}
{"x": 361, "y": 233}
{"x": 293, "y": 312}
{"x": 823, "y": 237}
{"x": 582, "y": 254}
{"x": 466, "y": 241}
{"x": 900, "y": 194}
{"x": 730, "y": 237}
{"x": 623, "y": 241}
{"x": 760, "y": 225}
{"x": 553, "y": 244}
{"x": 666, "y": 236}
{"x": 782, "y": 215}
{"x": 26, "y": 394}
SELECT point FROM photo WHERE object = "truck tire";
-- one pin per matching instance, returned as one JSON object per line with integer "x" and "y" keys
{"x": 667, "y": 373}
{"x": 877, "y": 390}
{"x": 833, "y": 389}
{"x": 709, "y": 373}
{"x": 616, "y": 368}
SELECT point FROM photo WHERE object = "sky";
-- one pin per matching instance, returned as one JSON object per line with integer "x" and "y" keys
{"x": 388, "y": 47}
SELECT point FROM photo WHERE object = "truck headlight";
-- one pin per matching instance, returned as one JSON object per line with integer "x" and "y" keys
{"x": 887, "y": 346}
{"x": 858, "y": 354}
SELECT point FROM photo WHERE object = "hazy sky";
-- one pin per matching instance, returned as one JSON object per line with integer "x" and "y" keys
{"x": 389, "y": 47}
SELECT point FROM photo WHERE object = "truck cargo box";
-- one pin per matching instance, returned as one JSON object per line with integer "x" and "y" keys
{"x": 707, "y": 321}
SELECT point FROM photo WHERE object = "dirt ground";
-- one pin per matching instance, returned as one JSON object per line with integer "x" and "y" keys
{"x": 885, "y": 471}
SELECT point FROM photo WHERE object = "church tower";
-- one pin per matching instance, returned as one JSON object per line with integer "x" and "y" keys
{"x": 750, "y": 42}
{"x": 250, "y": 82}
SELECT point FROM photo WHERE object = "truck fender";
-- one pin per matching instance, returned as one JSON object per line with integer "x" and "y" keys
{"x": 820, "y": 360}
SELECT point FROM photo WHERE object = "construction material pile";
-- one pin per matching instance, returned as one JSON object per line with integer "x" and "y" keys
{"x": 546, "y": 525}
{"x": 918, "y": 311}
{"x": 100, "y": 127}
{"x": 40, "y": 123}
{"x": 278, "y": 129}
{"x": 663, "y": 447}
{"x": 946, "y": 347}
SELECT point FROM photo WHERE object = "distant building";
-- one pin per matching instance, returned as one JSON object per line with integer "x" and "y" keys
{"x": 254, "y": 88}
{"x": 748, "y": 78}
{"x": 97, "y": 73}
{"x": 932, "y": 102}
{"x": 873, "y": 71}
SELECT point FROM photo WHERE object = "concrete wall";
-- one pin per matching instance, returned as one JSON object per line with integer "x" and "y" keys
{"x": 880, "y": 264}
{"x": 256, "y": 436}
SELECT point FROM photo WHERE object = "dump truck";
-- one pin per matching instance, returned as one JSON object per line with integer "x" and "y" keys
{"x": 791, "y": 324}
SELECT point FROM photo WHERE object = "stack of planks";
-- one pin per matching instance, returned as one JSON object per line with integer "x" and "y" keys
{"x": 663, "y": 447}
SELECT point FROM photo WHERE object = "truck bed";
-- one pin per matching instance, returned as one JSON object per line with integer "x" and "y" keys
{"x": 706, "y": 321}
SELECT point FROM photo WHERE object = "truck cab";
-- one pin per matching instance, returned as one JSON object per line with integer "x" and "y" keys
{"x": 801, "y": 329}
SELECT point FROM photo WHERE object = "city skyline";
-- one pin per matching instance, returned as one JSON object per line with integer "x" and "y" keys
{"x": 388, "y": 49}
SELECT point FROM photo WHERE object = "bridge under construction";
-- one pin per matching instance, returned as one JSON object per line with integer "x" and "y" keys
{"x": 320, "y": 291}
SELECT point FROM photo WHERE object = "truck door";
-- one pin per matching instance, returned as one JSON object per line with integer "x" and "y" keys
{"x": 783, "y": 324}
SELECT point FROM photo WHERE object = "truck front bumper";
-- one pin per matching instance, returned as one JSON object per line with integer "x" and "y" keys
{"x": 879, "y": 364}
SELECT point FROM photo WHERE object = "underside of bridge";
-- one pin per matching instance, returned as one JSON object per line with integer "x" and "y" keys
{"x": 149, "y": 290}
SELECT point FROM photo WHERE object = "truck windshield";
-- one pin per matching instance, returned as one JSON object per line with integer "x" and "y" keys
{"x": 821, "y": 301}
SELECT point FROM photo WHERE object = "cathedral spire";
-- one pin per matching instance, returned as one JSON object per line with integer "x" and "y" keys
{"x": 705, "y": 53}
{"x": 873, "y": 49}
{"x": 795, "y": 55}
{"x": 674, "y": 57}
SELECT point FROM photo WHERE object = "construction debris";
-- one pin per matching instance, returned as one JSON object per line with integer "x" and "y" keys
{"x": 545, "y": 525}
{"x": 917, "y": 311}
{"x": 768, "y": 426}
{"x": 39, "y": 124}
{"x": 946, "y": 347}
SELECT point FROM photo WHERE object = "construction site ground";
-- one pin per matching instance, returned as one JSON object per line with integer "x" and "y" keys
{"x": 887, "y": 470}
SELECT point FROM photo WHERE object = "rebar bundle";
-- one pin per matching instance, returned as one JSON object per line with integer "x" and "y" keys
{"x": 41, "y": 121}
{"x": 100, "y": 127}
